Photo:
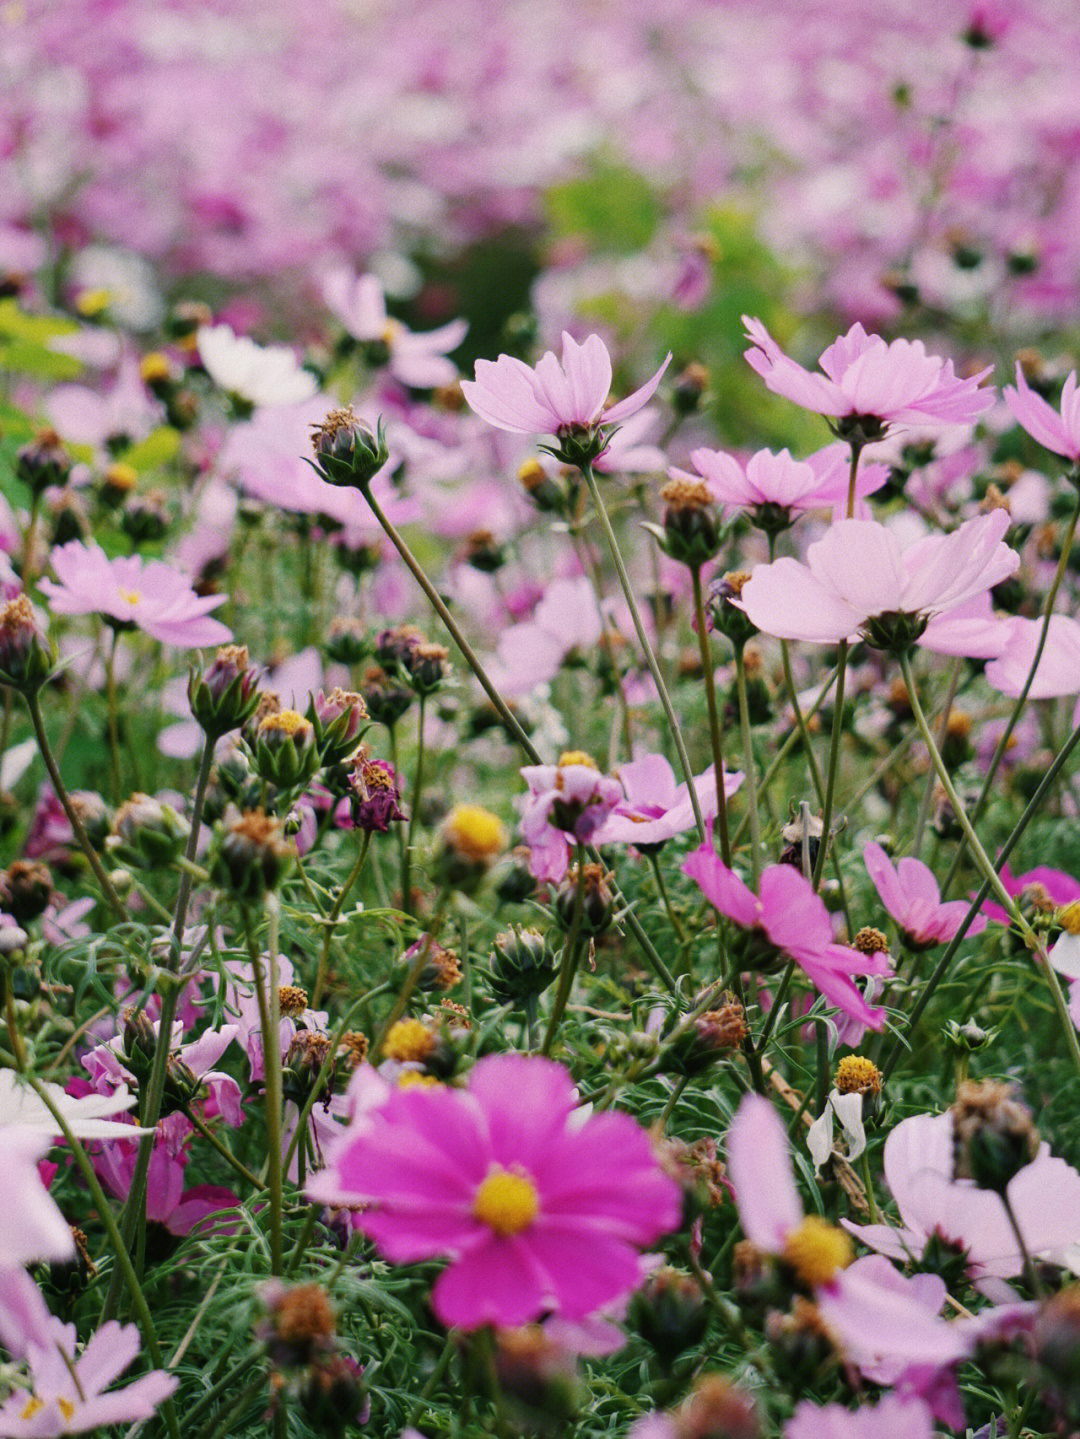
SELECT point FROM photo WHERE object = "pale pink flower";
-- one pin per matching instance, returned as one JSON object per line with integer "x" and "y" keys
{"x": 552, "y": 398}
{"x": 910, "y": 893}
{"x": 794, "y": 919}
{"x": 418, "y": 360}
{"x": 860, "y": 579}
{"x": 775, "y": 488}
{"x": 655, "y": 807}
{"x": 892, "y": 1418}
{"x": 1059, "y": 664}
{"x": 566, "y": 802}
{"x": 866, "y": 380}
{"x": 31, "y": 1226}
{"x": 147, "y": 593}
{"x": 1056, "y": 430}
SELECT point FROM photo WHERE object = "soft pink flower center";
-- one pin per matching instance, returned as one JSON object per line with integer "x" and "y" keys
{"x": 507, "y": 1201}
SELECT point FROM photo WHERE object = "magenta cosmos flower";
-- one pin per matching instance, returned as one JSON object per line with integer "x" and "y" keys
{"x": 567, "y": 802}
{"x": 148, "y": 594}
{"x": 535, "y": 1208}
{"x": 553, "y": 398}
{"x": 1054, "y": 430}
{"x": 867, "y": 385}
{"x": 860, "y": 580}
{"x": 794, "y": 919}
{"x": 910, "y": 893}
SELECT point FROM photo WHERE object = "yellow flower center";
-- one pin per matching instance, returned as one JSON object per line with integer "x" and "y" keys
{"x": 286, "y": 722}
{"x": 33, "y": 1406}
{"x": 408, "y": 1040}
{"x": 855, "y": 1074}
{"x": 817, "y": 1250}
{"x": 155, "y": 366}
{"x": 577, "y": 756}
{"x": 67, "y": 1409}
{"x": 1068, "y": 916}
{"x": 93, "y": 302}
{"x": 132, "y": 597}
{"x": 393, "y": 331}
{"x": 506, "y": 1202}
{"x": 411, "y": 1078}
{"x": 474, "y": 832}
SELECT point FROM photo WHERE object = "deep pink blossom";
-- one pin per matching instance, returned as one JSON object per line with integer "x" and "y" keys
{"x": 535, "y": 1208}
{"x": 1061, "y": 888}
{"x": 866, "y": 379}
{"x": 146, "y": 593}
{"x": 910, "y": 893}
{"x": 1057, "y": 430}
{"x": 550, "y": 397}
{"x": 794, "y": 919}
{"x": 859, "y": 578}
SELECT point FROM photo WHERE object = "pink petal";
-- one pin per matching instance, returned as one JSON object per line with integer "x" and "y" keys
{"x": 498, "y": 1282}
{"x": 759, "y": 1166}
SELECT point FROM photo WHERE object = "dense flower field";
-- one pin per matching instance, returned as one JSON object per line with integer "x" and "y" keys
{"x": 539, "y": 675}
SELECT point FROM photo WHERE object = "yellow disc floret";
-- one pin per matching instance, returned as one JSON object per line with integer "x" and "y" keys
{"x": 1068, "y": 916}
{"x": 817, "y": 1251}
{"x": 506, "y": 1201}
{"x": 855, "y": 1074}
{"x": 408, "y": 1041}
{"x": 475, "y": 833}
{"x": 410, "y": 1078}
{"x": 287, "y": 722}
{"x": 577, "y": 756}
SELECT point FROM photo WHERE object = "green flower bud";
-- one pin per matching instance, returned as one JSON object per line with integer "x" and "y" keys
{"x": 347, "y": 450}
{"x": 223, "y": 697}
{"x": 250, "y": 855}
{"x": 27, "y": 656}
{"x": 286, "y": 754}
{"x": 148, "y": 834}
{"x": 523, "y": 965}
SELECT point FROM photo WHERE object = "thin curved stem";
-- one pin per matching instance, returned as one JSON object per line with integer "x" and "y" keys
{"x": 749, "y": 765}
{"x": 715, "y": 732}
{"x": 333, "y": 917}
{"x": 834, "y": 761}
{"x": 570, "y": 958}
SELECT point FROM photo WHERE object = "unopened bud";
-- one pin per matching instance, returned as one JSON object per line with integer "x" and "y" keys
{"x": 347, "y": 450}
{"x": 994, "y": 1136}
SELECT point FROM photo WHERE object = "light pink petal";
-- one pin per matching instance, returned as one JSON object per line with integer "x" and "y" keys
{"x": 786, "y": 600}
{"x": 760, "y": 1169}
{"x": 638, "y": 400}
{"x": 1040, "y": 419}
{"x": 588, "y": 375}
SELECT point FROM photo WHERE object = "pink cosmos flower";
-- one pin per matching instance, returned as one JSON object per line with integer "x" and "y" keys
{"x": 1059, "y": 664}
{"x": 553, "y": 398}
{"x": 535, "y": 1208}
{"x": 860, "y": 579}
{"x": 416, "y": 360}
{"x": 910, "y": 893}
{"x": 918, "y": 1163}
{"x": 68, "y": 1386}
{"x": 866, "y": 380}
{"x": 655, "y": 806}
{"x": 149, "y": 594}
{"x": 168, "y": 1203}
{"x": 107, "y": 1071}
{"x": 1061, "y": 888}
{"x": 776, "y": 488}
{"x": 794, "y": 919}
{"x": 1054, "y": 430}
{"x": 566, "y": 801}
{"x": 31, "y": 1226}
{"x": 892, "y": 1418}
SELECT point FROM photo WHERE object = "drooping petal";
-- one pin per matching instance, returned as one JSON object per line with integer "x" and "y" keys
{"x": 759, "y": 1165}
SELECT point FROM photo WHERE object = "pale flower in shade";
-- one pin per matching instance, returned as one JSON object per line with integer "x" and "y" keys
{"x": 910, "y": 893}
{"x": 1056, "y": 430}
{"x": 417, "y": 360}
{"x": 31, "y": 1226}
{"x": 536, "y": 1208}
{"x": 859, "y": 580}
{"x": 655, "y": 806}
{"x": 88, "y": 1116}
{"x": 867, "y": 385}
{"x": 129, "y": 590}
{"x": 552, "y": 398}
{"x": 892, "y": 1418}
{"x": 262, "y": 375}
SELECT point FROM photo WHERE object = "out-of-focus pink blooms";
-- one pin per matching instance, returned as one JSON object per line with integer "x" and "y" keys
{"x": 566, "y": 802}
{"x": 1057, "y": 430}
{"x": 50, "y": 837}
{"x": 910, "y": 893}
{"x": 859, "y": 578}
{"x": 68, "y": 1385}
{"x": 1059, "y": 664}
{"x": 566, "y": 621}
{"x": 107, "y": 1072}
{"x": 535, "y": 1208}
{"x": 794, "y": 919}
{"x": 263, "y": 375}
{"x": 418, "y": 360}
{"x": 168, "y": 1203}
{"x": 629, "y": 451}
{"x": 972, "y": 630}
{"x": 866, "y": 379}
{"x": 776, "y": 488}
{"x": 553, "y": 398}
{"x": 893, "y": 1418}
{"x": 761, "y": 1171}
{"x": 149, "y": 594}
{"x": 1060, "y": 888}
{"x": 31, "y": 1226}
{"x": 64, "y": 922}
{"x": 918, "y": 1162}
{"x": 87, "y": 1116}
{"x": 655, "y": 807}
{"x": 92, "y": 416}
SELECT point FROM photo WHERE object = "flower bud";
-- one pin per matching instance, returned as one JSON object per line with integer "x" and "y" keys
{"x": 717, "y": 1409}
{"x": 27, "y": 656}
{"x": 148, "y": 834}
{"x": 347, "y": 450}
{"x": 546, "y": 493}
{"x": 43, "y": 463}
{"x": 705, "y": 1039}
{"x": 304, "y": 1059}
{"x": 523, "y": 964}
{"x": 332, "y": 1398}
{"x": 386, "y": 698}
{"x": 25, "y": 889}
{"x": 692, "y": 530}
{"x": 374, "y": 796}
{"x": 484, "y": 553}
{"x": 346, "y": 641}
{"x": 299, "y": 1324}
{"x": 516, "y": 882}
{"x": 285, "y": 753}
{"x": 802, "y": 839}
{"x": 968, "y": 1038}
{"x": 1057, "y": 1348}
{"x": 994, "y": 1136}
{"x": 471, "y": 839}
{"x": 442, "y": 969}
{"x": 579, "y": 445}
{"x": 250, "y": 855}
{"x": 67, "y": 519}
{"x": 226, "y": 695}
{"x": 598, "y": 906}
{"x": 145, "y": 519}
{"x": 855, "y": 1074}
{"x": 338, "y": 720}
{"x": 801, "y": 1343}
{"x": 690, "y": 388}
{"x": 117, "y": 483}
{"x": 537, "y": 1376}
{"x": 670, "y": 1313}
{"x": 426, "y": 666}
{"x": 724, "y": 614}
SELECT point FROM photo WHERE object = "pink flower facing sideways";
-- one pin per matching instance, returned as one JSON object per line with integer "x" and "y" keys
{"x": 418, "y": 360}
{"x": 795, "y": 921}
{"x": 860, "y": 581}
{"x": 535, "y": 1209}
{"x": 656, "y": 807}
{"x": 1056, "y": 430}
{"x": 566, "y": 400}
{"x": 130, "y": 591}
{"x": 567, "y": 801}
{"x": 910, "y": 893}
{"x": 866, "y": 385}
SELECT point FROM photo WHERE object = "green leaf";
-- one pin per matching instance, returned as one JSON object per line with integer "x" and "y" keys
{"x": 15, "y": 324}
{"x": 28, "y": 357}
{"x": 614, "y": 207}
{"x": 159, "y": 447}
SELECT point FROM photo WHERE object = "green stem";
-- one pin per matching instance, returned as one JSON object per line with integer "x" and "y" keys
{"x": 647, "y": 649}
{"x": 113, "y": 724}
{"x": 943, "y": 726}
{"x": 333, "y": 917}
{"x": 749, "y": 766}
{"x": 223, "y": 1149}
{"x": 654, "y": 861}
{"x": 715, "y": 732}
{"x": 187, "y": 875}
{"x": 414, "y": 809}
{"x": 268, "y": 996}
{"x": 868, "y": 1185}
{"x": 834, "y": 761}
{"x": 412, "y": 978}
{"x": 571, "y": 956}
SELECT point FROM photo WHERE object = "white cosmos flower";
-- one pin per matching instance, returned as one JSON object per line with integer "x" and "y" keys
{"x": 260, "y": 374}
{"x": 846, "y": 1110}
{"x": 87, "y": 1118}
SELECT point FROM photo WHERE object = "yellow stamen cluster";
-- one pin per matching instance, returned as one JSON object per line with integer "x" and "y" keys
{"x": 132, "y": 597}
{"x": 408, "y": 1041}
{"x": 1068, "y": 916}
{"x": 531, "y": 474}
{"x": 855, "y": 1074}
{"x": 817, "y": 1251}
{"x": 474, "y": 833}
{"x": 578, "y": 757}
{"x": 506, "y": 1201}
{"x": 410, "y": 1078}
{"x": 293, "y": 1000}
{"x": 155, "y": 367}
{"x": 686, "y": 495}
{"x": 92, "y": 302}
